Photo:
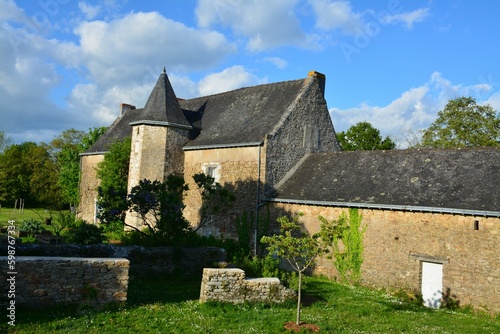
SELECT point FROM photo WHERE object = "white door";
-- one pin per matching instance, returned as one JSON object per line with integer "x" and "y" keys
{"x": 432, "y": 284}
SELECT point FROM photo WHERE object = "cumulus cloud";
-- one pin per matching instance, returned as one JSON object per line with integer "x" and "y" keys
{"x": 119, "y": 50}
{"x": 411, "y": 112}
{"x": 88, "y": 10}
{"x": 266, "y": 23}
{"x": 331, "y": 15}
{"x": 229, "y": 79}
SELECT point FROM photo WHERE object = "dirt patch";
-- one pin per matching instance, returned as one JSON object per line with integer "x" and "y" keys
{"x": 293, "y": 327}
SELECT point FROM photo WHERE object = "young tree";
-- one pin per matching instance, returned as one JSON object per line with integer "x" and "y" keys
{"x": 364, "y": 137}
{"x": 296, "y": 247}
{"x": 463, "y": 123}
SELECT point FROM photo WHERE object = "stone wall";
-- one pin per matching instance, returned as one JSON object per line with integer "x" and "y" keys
{"x": 143, "y": 260}
{"x": 42, "y": 281}
{"x": 238, "y": 170}
{"x": 230, "y": 285}
{"x": 88, "y": 187}
{"x": 396, "y": 243}
{"x": 307, "y": 128}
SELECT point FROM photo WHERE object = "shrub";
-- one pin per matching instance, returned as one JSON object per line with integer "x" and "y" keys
{"x": 85, "y": 234}
{"x": 31, "y": 227}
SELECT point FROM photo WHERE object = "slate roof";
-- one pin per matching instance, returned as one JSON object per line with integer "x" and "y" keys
{"x": 243, "y": 116}
{"x": 162, "y": 107}
{"x": 464, "y": 179}
{"x": 119, "y": 130}
{"x": 240, "y": 117}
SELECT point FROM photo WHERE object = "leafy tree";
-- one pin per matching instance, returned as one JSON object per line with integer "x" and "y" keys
{"x": 364, "y": 137}
{"x": 215, "y": 198}
{"x": 294, "y": 246}
{"x": 160, "y": 205}
{"x": 463, "y": 123}
{"x": 66, "y": 149}
{"x": 113, "y": 175}
{"x": 344, "y": 237}
{"x": 5, "y": 141}
{"x": 28, "y": 172}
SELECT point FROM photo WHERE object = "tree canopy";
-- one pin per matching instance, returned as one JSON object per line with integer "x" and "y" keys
{"x": 463, "y": 123}
{"x": 364, "y": 137}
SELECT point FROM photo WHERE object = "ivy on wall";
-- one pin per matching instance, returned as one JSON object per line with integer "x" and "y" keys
{"x": 343, "y": 240}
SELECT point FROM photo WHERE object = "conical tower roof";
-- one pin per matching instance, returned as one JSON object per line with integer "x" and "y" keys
{"x": 162, "y": 107}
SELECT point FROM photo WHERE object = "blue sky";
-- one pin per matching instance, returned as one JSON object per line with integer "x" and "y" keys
{"x": 69, "y": 64}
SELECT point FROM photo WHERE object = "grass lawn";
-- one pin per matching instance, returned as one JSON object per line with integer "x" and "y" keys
{"x": 170, "y": 305}
{"x": 19, "y": 216}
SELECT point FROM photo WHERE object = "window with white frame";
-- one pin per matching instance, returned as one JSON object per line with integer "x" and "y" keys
{"x": 212, "y": 170}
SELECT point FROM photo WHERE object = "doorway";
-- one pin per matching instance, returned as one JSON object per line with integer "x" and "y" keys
{"x": 432, "y": 284}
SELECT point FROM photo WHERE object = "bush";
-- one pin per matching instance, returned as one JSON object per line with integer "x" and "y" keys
{"x": 85, "y": 234}
{"x": 31, "y": 227}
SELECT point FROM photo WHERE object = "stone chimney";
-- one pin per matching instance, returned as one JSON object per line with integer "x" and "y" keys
{"x": 321, "y": 80}
{"x": 125, "y": 107}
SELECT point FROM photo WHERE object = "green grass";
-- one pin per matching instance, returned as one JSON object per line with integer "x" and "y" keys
{"x": 7, "y": 214}
{"x": 170, "y": 305}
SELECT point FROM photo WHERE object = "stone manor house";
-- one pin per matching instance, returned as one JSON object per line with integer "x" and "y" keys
{"x": 432, "y": 216}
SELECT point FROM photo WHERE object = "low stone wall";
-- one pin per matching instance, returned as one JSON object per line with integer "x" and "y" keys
{"x": 143, "y": 260}
{"x": 42, "y": 281}
{"x": 230, "y": 285}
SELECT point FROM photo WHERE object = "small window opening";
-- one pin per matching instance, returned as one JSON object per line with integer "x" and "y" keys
{"x": 476, "y": 225}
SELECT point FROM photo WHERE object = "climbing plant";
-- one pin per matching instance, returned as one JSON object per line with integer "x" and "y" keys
{"x": 343, "y": 239}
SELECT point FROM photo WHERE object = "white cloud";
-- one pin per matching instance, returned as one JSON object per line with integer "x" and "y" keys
{"x": 408, "y": 19}
{"x": 411, "y": 112}
{"x": 276, "y": 61}
{"x": 266, "y": 23}
{"x": 229, "y": 79}
{"x": 332, "y": 15}
{"x": 88, "y": 10}
{"x": 122, "y": 49}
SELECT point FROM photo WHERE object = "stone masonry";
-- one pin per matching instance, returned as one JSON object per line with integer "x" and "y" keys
{"x": 396, "y": 242}
{"x": 230, "y": 285}
{"x": 42, "y": 281}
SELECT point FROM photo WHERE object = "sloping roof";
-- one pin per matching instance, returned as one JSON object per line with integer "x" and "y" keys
{"x": 466, "y": 179}
{"x": 162, "y": 107}
{"x": 119, "y": 130}
{"x": 242, "y": 116}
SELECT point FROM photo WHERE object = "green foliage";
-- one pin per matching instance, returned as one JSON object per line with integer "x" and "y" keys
{"x": 344, "y": 237}
{"x": 364, "y": 137}
{"x": 84, "y": 234}
{"x": 160, "y": 205}
{"x": 31, "y": 227}
{"x": 244, "y": 231}
{"x": 62, "y": 220}
{"x": 294, "y": 246}
{"x": 113, "y": 170}
{"x": 112, "y": 192}
{"x": 215, "y": 199}
{"x": 28, "y": 172}
{"x": 463, "y": 123}
{"x": 66, "y": 149}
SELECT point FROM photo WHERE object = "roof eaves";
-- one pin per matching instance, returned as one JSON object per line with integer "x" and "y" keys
{"x": 464, "y": 212}
{"x": 159, "y": 123}
{"x": 215, "y": 146}
{"x": 93, "y": 153}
